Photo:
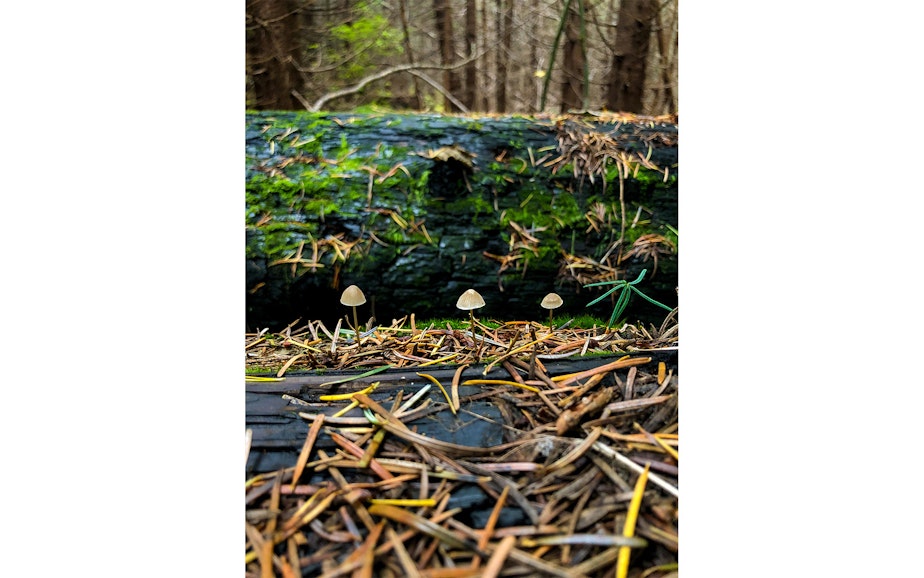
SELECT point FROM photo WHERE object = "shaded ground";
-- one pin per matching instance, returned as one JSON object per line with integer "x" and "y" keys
{"x": 431, "y": 451}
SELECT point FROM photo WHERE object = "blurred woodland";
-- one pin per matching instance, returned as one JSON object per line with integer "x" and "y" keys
{"x": 460, "y": 56}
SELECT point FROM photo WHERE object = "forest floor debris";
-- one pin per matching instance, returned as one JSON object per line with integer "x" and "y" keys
{"x": 584, "y": 483}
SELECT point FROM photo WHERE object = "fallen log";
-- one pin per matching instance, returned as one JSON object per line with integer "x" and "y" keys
{"x": 415, "y": 209}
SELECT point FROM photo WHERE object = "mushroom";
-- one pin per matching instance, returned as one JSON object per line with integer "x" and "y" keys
{"x": 353, "y": 297}
{"x": 469, "y": 301}
{"x": 552, "y": 301}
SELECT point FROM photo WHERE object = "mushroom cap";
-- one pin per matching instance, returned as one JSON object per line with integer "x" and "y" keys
{"x": 352, "y": 296}
{"x": 551, "y": 301}
{"x": 471, "y": 299}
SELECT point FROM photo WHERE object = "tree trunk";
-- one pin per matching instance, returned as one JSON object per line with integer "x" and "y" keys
{"x": 469, "y": 92}
{"x": 442, "y": 12}
{"x": 485, "y": 58}
{"x": 405, "y": 30}
{"x": 572, "y": 88}
{"x": 272, "y": 53}
{"x": 626, "y": 86}
{"x": 666, "y": 43}
{"x": 502, "y": 54}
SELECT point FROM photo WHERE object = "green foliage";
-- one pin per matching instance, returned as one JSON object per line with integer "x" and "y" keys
{"x": 367, "y": 40}
{"x": 626, "y": 289}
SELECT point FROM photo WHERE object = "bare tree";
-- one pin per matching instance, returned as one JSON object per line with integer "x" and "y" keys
{"x": 665, "y": 99}
{"x": 574, "y": 86}
{"x": 272, "y": 48}
{"x": 504, "y": 19}
{"x": 443, "y": 15}
{"x": 626, "y": 85}
{"x": 408, "y": 49}
{"x": 469, "y": 93}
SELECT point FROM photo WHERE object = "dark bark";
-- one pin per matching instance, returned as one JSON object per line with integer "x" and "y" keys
{"x": 572, "y": 88}
{"x": 626, "y": 85}
{"x": 469, "y": 93}
{"x": 272, "y": 47}
{"x": 485, "y": 57}
{"x": 500, "y": 60}
{"x": 442, "y": 12}
{"x": 665, "y": 38}
{"x": 405, "y": 30}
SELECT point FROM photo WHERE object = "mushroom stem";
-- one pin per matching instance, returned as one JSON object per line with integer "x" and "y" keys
{"x": 356, "y": 326}
{"x": 550, "y": 320}
{"x": 471, "y": 327}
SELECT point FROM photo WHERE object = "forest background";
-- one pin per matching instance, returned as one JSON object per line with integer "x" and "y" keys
{"x": 460, "y": 56}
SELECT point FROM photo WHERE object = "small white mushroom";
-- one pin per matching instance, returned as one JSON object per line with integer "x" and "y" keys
{"x": 469, "y": 301}
{"x": 552, "y": 301}
{"x": 353, "y": 297}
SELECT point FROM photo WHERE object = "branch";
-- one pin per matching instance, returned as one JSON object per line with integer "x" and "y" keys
{"x": 441, "y": 89}
{"x": 411, "y": 68}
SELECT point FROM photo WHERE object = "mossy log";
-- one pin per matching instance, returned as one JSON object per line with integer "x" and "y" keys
{"x": 415, "y": 209}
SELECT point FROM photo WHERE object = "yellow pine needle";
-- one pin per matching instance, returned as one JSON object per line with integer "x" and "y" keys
{"x": 347, "y": 409}
{"x": 443, "y": 389}
{"x": 373, "y": 447}
{"x": 398, "y": 219}
{"x": 440, "y": 360}
{"x": 673, "y": 453}
{"x": 290, "y": 340}
{"x": 661, "y": 568}
{"x": 667, "y": 448}
{"x": 343, "y": 396}
{"x": 410, "y": 503}
{"x": 258, "y": 379}
{"x": 622, "y": 563}
{"x": 500, "y": 382}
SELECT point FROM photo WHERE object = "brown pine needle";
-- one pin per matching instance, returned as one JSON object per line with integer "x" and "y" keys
{"x": 519, "y": 349}
{"x": 409, "y": 503}
{"x": 586, "y": 540}
{"x": 424, "y": 526}
{"x": 312, "y": 436}
{"x": 579, "y": 450}
{"x": 351, "y": 521}
{"x": 496, "y": 562}
{"x": 492, "y": 519}
{"x": 455, "y": 385}
{"x": 288, "y": 364}
{"x": 357, "y": 451}
{"x": 407, "y": 563}
{"x": 620, "y": 363}
{"x": 655, "y": 479}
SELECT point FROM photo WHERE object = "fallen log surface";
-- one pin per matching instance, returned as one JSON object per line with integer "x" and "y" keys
{"x": 415, "y": 209}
